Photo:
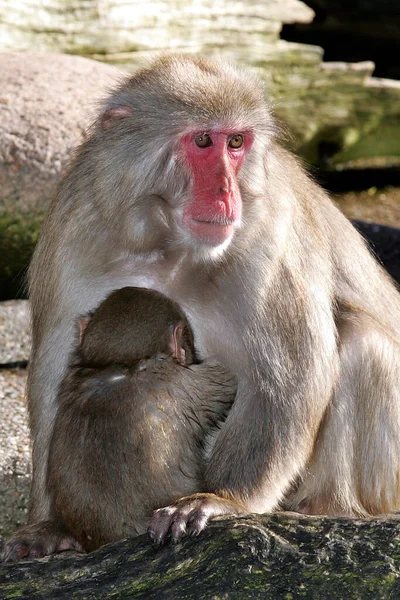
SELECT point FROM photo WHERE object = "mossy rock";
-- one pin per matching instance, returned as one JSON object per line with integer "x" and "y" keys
{"x": 18, "y": 236}
{"x": 283, "y": 556}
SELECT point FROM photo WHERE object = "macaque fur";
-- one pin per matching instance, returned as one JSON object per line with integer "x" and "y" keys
{"x": 133, "y": 423}
{"x": 183, "y": 187}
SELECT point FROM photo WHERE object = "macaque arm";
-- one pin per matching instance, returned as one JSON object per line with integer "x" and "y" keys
{"x": 38, "y": 540}
{"x": 255, "y": 459}
{"x": 261, "y": 447}
{"x": 214, "y": 391}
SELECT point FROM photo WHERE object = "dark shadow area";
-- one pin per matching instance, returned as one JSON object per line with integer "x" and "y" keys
{"x": 385, "y": 244}
{"x": 356, "y": 180}
{"x": 353, "y": 31}
{"x": 18, "y": 364}
{"x": 383, "y": 240}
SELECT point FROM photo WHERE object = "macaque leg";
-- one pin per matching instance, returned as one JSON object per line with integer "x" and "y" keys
{"x": 355, "y": 469}
{"x": 42, "y": 382}
{"x": 38, "y": 540}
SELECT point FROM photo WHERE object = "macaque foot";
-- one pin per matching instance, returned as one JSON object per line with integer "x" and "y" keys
{"x": 38, "y": 540}
{"x": 190, "y": 514}
{"x": 324, "y": 505}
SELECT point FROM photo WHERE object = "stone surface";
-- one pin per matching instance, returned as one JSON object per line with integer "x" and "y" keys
{"x": 15, "y": 460}
{"x": 117, "y": 27}
{"x": 47, "y": 101}
{"x": 15, "y": 338}
{"x": 338, "y": 116}
{"x": 283, "y": 556}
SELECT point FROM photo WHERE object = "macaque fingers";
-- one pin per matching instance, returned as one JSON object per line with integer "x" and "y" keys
{"x": 38, "y": 540}
{"x": 165, "y": 520}
{"x": 190, "y": 514}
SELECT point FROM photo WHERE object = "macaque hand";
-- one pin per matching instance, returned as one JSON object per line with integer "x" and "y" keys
{"x": 38, "y": 540}
{"x": 189, "y": 514}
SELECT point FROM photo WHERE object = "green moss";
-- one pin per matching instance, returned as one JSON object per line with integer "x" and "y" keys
{"x": 379, "y": 143}
{"x": 18, "y": 236}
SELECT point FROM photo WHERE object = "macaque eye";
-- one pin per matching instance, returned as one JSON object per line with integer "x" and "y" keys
{"x": 203, "y": 140}
{"x": 236, "y": 141}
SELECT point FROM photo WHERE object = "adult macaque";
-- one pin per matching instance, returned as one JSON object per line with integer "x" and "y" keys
{"x": 132, "y": 424}
{"x": 183, "y": 187}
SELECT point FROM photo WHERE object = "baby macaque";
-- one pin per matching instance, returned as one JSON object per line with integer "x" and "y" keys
{"x": 134, "y": 416}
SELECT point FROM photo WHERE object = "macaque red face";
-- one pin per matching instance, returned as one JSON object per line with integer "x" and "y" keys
{"x": 180, "y": 165}
{"x": 214, "y": 159}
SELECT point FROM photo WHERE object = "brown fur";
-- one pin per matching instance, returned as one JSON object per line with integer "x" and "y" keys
{"x": 132, "y": 424}
{"x": 134, "y": 417}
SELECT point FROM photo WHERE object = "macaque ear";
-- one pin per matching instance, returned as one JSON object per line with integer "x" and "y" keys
{"x": 113, "y": 115}
{"x": 175, "y": 343}
{"x": 82, "y": 326}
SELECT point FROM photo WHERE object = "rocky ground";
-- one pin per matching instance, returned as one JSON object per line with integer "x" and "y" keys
{"x": 15, "y": 467}
{"x": 373, "y": 205}
{"x": 14, "y": 435}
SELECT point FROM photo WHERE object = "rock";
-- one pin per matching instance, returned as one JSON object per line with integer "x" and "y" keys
{"x": 15, "y": 337}
{"x": 15, "y": 459}
{"x": 283, "y": 556}
{"x": 114, "y": 28}
{"x": 46, "y": 103}
{"x": 339, "y": 116}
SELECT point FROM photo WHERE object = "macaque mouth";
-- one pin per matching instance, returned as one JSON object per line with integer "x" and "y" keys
{"x": 214, "y": 231}
{"x": 217, "y": 222}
